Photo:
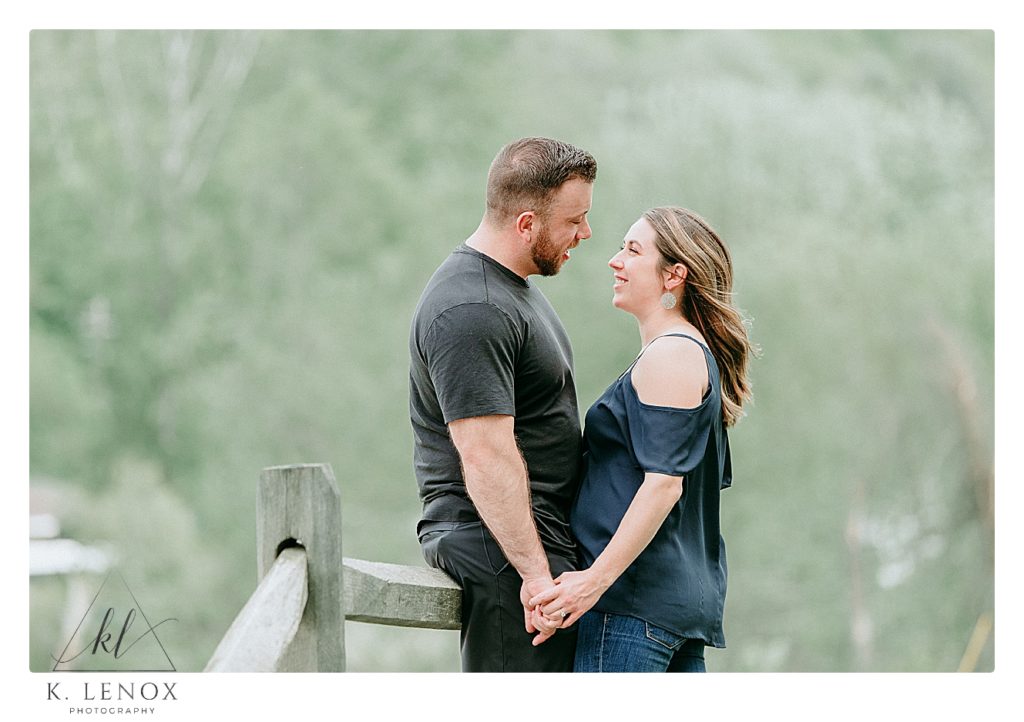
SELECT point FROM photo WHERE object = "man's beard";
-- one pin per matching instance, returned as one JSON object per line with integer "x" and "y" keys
{"x": 545, "y": 254}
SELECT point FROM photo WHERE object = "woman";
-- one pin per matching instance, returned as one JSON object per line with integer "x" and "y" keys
{"x": 652, "y": 593}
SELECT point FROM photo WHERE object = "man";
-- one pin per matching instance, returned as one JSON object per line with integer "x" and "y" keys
{"x": 494, "y": 412}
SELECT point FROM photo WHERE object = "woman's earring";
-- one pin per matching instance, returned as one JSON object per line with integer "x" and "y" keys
{"x": 668, "y": 300}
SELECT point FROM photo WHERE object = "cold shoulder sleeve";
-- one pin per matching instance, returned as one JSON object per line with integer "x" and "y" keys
{"x": 667, "y": 440}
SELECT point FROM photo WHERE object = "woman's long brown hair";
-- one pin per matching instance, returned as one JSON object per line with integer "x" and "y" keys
{"x": 686, "y": 238}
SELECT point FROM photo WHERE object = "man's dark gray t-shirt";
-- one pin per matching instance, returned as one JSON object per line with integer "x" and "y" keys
{"x": 484, "y": 341}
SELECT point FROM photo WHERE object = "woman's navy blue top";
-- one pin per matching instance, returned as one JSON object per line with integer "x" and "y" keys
{"x": 678, "y": 581}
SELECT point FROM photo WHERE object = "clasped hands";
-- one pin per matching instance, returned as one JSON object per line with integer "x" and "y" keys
{"x": 552, "y": 604}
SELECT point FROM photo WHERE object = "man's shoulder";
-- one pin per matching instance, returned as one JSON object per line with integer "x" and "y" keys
{"x": 448, "y": 291}
{"x": 469, "y": 323}
{"x": 459, "y": 279}
{"x": 465, "y": 279}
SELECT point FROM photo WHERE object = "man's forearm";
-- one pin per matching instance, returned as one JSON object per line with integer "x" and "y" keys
{"x": 499, "y": 488}
{"x": 496, "y": 480}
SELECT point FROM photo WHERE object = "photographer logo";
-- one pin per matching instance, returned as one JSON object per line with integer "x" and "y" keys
{"x": 115, "y": 635}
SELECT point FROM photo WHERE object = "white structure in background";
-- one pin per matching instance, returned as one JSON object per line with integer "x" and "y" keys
{"x": 48, "y": 555}
{"x": 75, "y": 562}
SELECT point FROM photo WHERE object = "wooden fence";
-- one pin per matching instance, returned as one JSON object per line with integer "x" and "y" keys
{"x": 295, "y": 620}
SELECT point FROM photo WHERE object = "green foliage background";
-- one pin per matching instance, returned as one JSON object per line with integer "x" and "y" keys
{"x": 229, "y": 232}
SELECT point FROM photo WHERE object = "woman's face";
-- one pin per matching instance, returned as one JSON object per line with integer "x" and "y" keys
{"x": 636, "y": 268}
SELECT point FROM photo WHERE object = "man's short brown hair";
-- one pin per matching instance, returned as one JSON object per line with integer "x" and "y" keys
{"x": 526, "y": 172}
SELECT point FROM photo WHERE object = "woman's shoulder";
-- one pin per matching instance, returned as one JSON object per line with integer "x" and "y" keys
{"x": 672, "y": 371}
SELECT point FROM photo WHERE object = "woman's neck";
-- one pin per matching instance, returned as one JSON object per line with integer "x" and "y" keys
{"x": 663, "y": 321}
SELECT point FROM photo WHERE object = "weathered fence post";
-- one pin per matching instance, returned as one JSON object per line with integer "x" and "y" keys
{"x": 300, "y": 505}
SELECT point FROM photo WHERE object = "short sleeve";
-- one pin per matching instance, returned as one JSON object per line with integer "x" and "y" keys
{"x": 667, "y": 440}
{"x": 470, "y": 352}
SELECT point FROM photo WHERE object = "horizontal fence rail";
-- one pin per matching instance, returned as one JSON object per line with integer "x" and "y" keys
{"x": 401, "y": 596}
{"x": 262, "y": 632}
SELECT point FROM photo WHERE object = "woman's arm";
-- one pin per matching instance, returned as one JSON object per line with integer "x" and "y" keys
{"x": 577, "y": 592}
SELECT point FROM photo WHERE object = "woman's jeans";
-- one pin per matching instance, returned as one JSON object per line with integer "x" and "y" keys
{"x": 617, "y": 643}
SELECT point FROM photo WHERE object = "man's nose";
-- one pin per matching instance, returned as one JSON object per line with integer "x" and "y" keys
{"x": 584, "y": 231}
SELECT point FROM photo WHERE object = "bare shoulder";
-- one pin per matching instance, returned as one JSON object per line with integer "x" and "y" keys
{"x": 673, "y": 371}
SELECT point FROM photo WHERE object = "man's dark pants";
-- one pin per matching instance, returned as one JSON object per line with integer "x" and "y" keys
{"x": 494, "y": 636}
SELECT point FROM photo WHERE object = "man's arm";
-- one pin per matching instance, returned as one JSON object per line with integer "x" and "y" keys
{"x": 498, "y": 485}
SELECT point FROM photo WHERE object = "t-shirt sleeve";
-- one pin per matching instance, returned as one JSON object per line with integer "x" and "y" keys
{"x": 667, "y": 440}
{"x": 471, "y": 352}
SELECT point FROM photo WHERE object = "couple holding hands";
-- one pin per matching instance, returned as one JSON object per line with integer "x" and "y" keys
{"x": 593, "y": 550}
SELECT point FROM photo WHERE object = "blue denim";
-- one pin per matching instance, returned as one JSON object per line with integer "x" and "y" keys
{"x": 617, "y": 643}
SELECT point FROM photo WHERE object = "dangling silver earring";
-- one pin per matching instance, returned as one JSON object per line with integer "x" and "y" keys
{"x": 668, "y": 300}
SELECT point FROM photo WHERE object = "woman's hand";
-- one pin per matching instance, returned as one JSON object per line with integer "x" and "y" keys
{"x": 572, "y": 596}
{"x": 534, "y": 619}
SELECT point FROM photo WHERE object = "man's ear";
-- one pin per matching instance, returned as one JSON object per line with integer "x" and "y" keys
{"x": 675, "y": 276}
{"x": 524, "y": 225}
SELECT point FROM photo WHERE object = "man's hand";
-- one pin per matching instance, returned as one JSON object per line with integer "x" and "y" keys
{"x": 535, "y": 620}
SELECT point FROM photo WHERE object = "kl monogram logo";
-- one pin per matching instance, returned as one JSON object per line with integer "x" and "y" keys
{"x": 113, "y": 625}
